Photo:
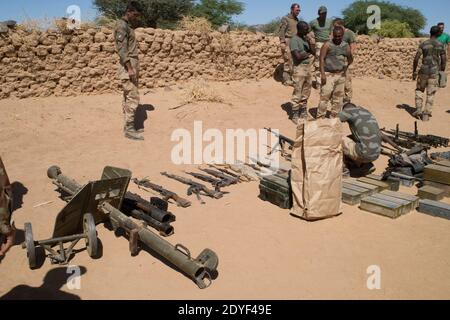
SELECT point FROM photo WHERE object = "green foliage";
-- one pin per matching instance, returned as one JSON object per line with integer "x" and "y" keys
{"x": 218, "y": 12}
{"x": 393, "y": 29}
{"x": 156, "y": 12}
{"x": 356, "y": 16}
{"x": 272, "y": 26}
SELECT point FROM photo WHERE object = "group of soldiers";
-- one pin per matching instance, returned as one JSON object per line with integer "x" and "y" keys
{"x": 319, "y": 55}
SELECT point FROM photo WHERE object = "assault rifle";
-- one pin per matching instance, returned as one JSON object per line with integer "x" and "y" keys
{"x": 410, "y": 138}
{"x": 166, "y": 194}
{"x": 225, "y": 177}
{"x": 195, "y": 188}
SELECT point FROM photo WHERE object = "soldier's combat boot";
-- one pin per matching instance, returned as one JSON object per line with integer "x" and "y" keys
{"x": 418, "y": 113}
{"x": 132, "y": 134}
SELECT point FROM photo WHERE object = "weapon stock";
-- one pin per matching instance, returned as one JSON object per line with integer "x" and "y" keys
{"x": 195, "y": 188}
{"x": 166, "y": 194}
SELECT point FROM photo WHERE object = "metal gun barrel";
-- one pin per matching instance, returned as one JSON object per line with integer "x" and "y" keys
{"x": 195, "y": 269}
{"x": 64, "y": 182}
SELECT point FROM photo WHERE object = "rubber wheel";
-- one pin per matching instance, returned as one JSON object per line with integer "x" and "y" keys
{"x": 91, "y": 235}
{"x": 31, "y": 248}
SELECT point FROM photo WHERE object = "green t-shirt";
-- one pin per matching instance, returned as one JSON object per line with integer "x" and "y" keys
{"x": 349, "y": 36}
{"x": 444, "y": 39}
{"x": 322, "y": 33}
{"x": 301, "y": 45}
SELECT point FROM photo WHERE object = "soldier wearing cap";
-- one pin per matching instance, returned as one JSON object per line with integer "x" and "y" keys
{"x": 288, "y": 29}
{"x": 321, "y": 27}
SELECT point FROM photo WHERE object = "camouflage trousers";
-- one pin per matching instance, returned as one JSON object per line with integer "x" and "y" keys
{"x": 287, "y": 58}
{"x": 332, "y": 91}
{"x": 319, "y": 46}
{"x": 130, "y": 101}
{"x": 5, "y": 201}
{"x": 348, "y": 95}
{"x": 349, "y": 148}
{"x": 430, "y": 84}
{"x": 302, "y": 78}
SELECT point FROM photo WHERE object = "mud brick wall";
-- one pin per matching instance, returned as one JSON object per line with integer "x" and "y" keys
{"x": 39, "y": 64}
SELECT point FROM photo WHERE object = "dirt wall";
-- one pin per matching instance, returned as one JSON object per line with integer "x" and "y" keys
{"x": 34, "y": 64}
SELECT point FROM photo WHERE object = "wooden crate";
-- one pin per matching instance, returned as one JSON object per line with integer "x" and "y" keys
{"x": 381, "y": 207}
{"x": 413, "y": 199}
{"x": 431, "y": 193}
{"x": 436, "y": 173}
{"x": 435, "y": 208}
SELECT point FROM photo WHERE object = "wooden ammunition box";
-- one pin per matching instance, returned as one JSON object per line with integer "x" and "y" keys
{"x": 437, "y": 173}
{"x": 381, "y": 184}
{"x": 381, "y": 207}
{"x": 431, "y": 193}
{"x": 277, "y": 191}
{"x": 444, "y": 163}
{"x": 362, "y": 191}
{"x": 406, "y": 205}
{"x": 351, "y": 197}
{"x": 413, "y": 199}
{"x": 372, "y": 188}
{"x": 394, "y": 183}
{"x": 441, "y": 186}
{"x": 435, "y": 208}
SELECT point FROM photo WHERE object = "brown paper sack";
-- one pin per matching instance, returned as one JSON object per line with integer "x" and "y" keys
{"x": 317, "y": 162}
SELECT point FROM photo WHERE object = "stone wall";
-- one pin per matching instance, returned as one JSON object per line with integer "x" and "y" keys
{"x": 36, "y": 64}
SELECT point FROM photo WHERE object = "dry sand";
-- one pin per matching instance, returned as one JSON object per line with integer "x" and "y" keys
{"x": 264, "y": 253}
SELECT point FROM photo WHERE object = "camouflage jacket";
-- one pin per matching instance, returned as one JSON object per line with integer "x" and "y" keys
{"x": 126, "y": 43}
{"x": 288, "y": 27}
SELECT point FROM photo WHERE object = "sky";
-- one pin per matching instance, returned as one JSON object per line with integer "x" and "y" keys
{"x": 256, "y": 11}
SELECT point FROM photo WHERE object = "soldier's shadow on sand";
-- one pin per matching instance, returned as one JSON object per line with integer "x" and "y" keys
{"x": 407, "y": 108}
{"x": 141, "y": 115}
{"x": 54, "y": 280}
{"x": 448, "y": 111}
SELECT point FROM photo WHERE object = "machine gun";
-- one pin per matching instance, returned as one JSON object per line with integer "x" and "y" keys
{"x": 409, "y": 139}
{"x": 132, "y": 204}
{"x": 103, "y": 198}
{"x": 195, "y": 188}
{"x": 283, "y": 141}
{"x": 166, "y": 194}
{"x": 218, "y": 174}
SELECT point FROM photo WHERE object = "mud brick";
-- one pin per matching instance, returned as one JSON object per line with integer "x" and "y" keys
{"x": 381, "y": 184}
{"x": 394, "y": 183}
{"x": 413, "y": 199}
{"x": 381, "y": 207}
{"x": 351, "y": 197}
{"x": 435, "y": 208}
{"x": 441, "y": 186}
{"x": 406, "y": 205}
{"x": 372, "y": 188}
{"x": 431, "y": 193}
{"x": 436, "y": 173}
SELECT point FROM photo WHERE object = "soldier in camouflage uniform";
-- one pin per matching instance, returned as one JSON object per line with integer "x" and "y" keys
{"x": 434, "y": 60}
{"x": 7, "y": 231}
{"x": 321, "y": 28}
{"x": 128, "y": 69}
{"x": 303, "y": 52}
{"x": 364, "y": 145}
{"x": 335, "y": 57}
{"x": 288, "y": 29}
{"x": 350, "y": 38}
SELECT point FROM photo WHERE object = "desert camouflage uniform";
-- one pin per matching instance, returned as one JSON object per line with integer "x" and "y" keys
{"x": 334, "y": 89}
{"x": 350, "y": 38}
{"x": 322, "y": 35}
{"x": 127, "y": 48}
{"x": 302, "y": 75}
{"x": 5, "y": 201}
{"x": 288, "y": 29}
{"x": 365, "y": 147}
{"x": 428, "y": 77}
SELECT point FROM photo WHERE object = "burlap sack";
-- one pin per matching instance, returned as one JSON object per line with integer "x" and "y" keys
{"x": 317, "y": 162}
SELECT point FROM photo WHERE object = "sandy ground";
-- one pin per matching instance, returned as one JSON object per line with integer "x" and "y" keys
{"x": 264, "y": 252}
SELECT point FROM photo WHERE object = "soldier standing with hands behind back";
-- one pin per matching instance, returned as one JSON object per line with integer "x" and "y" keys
{"x": 287, "y": 30}
{"x": 127, "y": 49}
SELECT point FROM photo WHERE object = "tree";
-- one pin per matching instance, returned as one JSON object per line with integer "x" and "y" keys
{"x": 393, "y": 29}
{"x": 156, "y": 12}
{"x": 356, "y": 16}
{"x": 218, "y": 12}
{"x": 272, "y": 26}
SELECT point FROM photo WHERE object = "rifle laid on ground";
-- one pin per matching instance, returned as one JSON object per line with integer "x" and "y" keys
{"x": 240, "y": 177}
{"x": 411, "y": 138}
{"x": 225, "y": 177}
{"x": 166, "y": 194}
{"x": 282, "y": 140}
{"x": 217, "y": 184}
{"x": 195, "y": 188}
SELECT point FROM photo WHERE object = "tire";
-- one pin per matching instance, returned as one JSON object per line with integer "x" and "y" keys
{"x": 91, "y": 235}
{"x": 30, "y": 246}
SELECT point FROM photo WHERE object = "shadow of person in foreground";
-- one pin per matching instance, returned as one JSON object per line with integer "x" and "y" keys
{"x": 141, "y": 115}
{"x": 54, "y": 280}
